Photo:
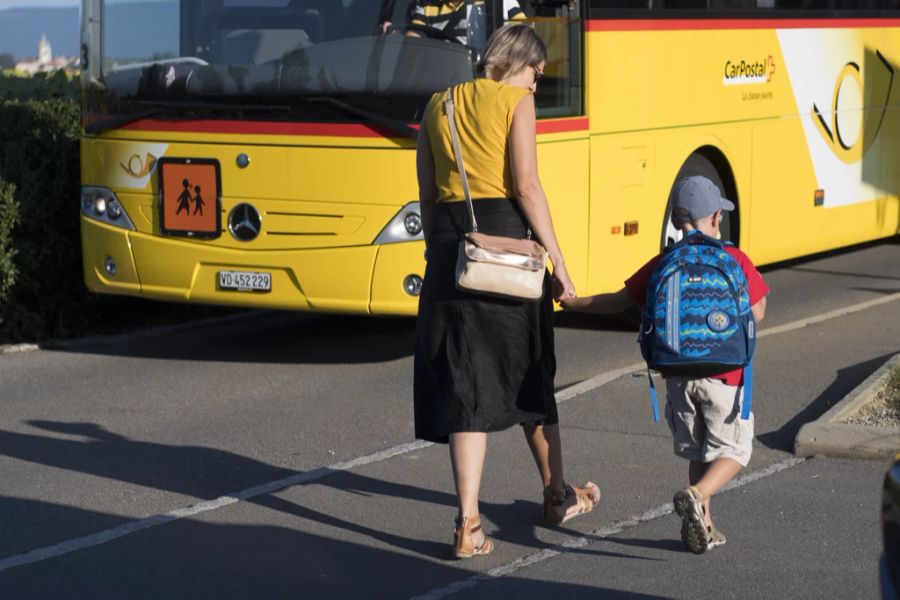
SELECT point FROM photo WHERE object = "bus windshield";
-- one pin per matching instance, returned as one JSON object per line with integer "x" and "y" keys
{"x": 258, "y": 52}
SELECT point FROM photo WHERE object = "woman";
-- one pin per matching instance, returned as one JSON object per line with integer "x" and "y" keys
{"x": 484, "y": 364}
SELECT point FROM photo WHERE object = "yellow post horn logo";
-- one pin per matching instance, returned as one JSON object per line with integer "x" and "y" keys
{"x": 138, "y": 167}
{"x": 875, "y": 91}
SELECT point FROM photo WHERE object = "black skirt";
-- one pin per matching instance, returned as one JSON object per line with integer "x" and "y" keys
{"x": 482, "y": 364}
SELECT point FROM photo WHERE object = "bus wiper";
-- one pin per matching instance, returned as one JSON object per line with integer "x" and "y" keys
{"x": 122, "y": 120}
{"x": 390, "y": 124}
{"x": 217, "y": 106}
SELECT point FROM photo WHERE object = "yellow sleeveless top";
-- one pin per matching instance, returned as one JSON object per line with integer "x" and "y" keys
{"x": 484, "y": 113}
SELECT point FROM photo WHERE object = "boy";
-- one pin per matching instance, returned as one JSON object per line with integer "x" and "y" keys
{"x": 702, "y": 413}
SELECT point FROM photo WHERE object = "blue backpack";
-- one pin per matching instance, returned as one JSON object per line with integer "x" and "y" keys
{"x": 696, "y": 320}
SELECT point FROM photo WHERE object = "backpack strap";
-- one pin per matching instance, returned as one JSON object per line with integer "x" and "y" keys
{"x": 698, "y": 237}
{"x": 747, "y": 404}
{"x": 654, "y": 401}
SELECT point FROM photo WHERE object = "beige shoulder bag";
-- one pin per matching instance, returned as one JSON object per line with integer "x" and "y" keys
{"x": 490, "y": 264}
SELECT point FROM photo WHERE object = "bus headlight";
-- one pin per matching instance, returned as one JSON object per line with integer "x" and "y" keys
{"x": 413, "y": 223}
{"x": 101, "y": 204}
{"x": 406, "y": 226}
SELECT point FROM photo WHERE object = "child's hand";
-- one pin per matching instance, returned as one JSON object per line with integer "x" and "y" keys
{"x": 573, "y": 303}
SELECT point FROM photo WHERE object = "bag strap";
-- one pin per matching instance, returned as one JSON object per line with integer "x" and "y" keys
{"x": 454, "y": 138}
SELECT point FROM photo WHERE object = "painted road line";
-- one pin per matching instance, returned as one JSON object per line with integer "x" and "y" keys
{"x": 563, "y": 395}
{"x": 109, "y": 535}
{"x": 604, "y": 378}
{"x": 576, "y": 542}
{"x": 597, "y": 381}
{"x": 840, "y": 312}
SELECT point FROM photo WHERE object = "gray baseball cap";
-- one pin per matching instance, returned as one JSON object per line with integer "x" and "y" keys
{"x": 699, "y": 197}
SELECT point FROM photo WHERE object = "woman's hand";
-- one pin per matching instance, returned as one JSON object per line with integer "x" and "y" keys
{"x": 563, "y": 288}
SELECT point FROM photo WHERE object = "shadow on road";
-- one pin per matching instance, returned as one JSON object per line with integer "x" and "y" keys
{"x": 796, "y": 263}
{"x": 273, "y": 338}
{"x": 208, "y": 473}
{"x": 196, "y": 559}
{"x": 882, "y": 291}
{"x": 190, "y": 557}
{"x": 844, "y": 382}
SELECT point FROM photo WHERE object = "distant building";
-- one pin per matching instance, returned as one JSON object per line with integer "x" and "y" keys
{"x": 45, "y": 61}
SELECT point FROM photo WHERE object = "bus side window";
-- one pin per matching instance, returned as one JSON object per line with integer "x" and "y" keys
{"x": 560, "y": 91}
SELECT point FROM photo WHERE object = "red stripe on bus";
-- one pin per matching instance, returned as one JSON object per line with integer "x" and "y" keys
{"x": 694, "y": 24}
{"x": 311, "y": 129}
{"x": 562, "y": 125}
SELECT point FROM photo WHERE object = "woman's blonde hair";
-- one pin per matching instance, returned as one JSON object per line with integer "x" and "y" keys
{"x": 510, "y": 49}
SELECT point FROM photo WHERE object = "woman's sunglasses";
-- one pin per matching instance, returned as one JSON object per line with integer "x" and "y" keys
{"x": 537, "y": 74}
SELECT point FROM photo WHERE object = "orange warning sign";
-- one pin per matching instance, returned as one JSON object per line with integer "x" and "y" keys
{"x": 190, "y": 197}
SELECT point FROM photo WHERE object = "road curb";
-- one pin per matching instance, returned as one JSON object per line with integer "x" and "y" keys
{"x": 828, "y": 436}
{"x": 63, "y": 344}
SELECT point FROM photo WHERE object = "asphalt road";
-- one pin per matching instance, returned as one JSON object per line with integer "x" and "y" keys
{"x": 272, "y": 457}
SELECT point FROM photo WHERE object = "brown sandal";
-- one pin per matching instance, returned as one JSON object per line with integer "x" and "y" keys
{"x": 463, "y": 546}
{"x": 557, "y": 507}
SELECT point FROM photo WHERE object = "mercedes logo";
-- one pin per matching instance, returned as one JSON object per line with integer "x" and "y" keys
{"x": 244, "y": 222}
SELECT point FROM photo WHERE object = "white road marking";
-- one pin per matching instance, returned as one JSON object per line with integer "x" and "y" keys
{"x": 573, "y": 542}
{"x": 604, "y": 378}
{"x": 840, "y": 312}
{"x": 597, "y": 381}
{"x": 109, "y": 535}
{"x": 102, "y": 537}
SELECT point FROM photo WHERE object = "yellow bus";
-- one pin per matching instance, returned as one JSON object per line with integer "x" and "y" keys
{"x": 261, "y": 152}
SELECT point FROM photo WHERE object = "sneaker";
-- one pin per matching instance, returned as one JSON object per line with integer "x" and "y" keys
{"x": 693, "y": 530}
{"x": 714, "y": 538}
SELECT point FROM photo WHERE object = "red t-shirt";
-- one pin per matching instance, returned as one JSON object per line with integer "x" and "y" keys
{"x": 636, "y": 285}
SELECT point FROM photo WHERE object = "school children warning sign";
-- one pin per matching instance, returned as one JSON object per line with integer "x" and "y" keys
{"x": 190, "y": 197}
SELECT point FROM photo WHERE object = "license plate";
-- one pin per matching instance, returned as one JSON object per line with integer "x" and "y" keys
{"x": 245, "y": 281}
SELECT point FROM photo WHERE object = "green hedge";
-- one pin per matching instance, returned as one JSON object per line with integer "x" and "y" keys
{"x": 39, "y": 156}
{"x": 9, "y": 217}
{"x": 42, "y": 292}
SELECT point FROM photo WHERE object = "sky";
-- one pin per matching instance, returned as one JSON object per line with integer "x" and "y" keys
{"x": 36, "y": 3}
{"x": 42, "y": 3}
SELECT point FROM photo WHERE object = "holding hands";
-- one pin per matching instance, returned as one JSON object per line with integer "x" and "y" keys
{"x": 563, "y": 288}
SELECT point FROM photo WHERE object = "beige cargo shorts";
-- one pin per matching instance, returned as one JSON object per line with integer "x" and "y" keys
{"x": 705, "y": 418}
